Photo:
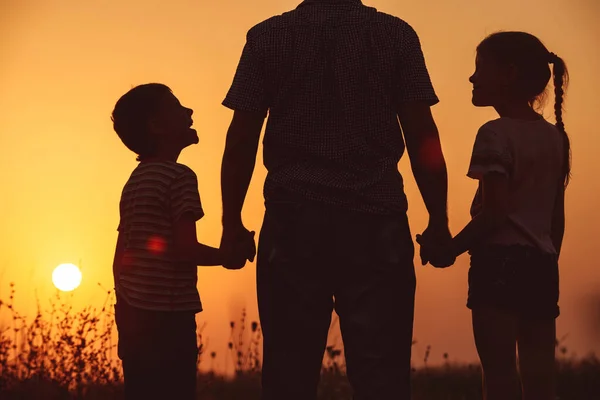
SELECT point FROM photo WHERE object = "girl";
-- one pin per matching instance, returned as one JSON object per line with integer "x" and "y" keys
{"x": 522, "y": 163}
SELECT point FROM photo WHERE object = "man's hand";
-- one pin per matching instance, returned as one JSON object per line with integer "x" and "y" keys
{"x": 239, "y": 158}
{"x": 429, "y": 169}
{"x": 435, "y": 245}
{"x": 237, "y": 247}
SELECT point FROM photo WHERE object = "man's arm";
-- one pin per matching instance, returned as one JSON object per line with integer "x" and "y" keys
{"x": 426, "y": 158}
{"x": 238, "y": 164}
{"x": 558, "y": 219}
{"x": 429, "y": 169}
{"x": 237, "y": 168}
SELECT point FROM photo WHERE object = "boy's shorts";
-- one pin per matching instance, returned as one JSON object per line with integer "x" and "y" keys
{"x": 159, "y": 352}
{"x": 522, "y": 280}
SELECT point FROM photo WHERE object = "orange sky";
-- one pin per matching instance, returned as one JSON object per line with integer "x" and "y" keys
{"x": 64, "y": 63}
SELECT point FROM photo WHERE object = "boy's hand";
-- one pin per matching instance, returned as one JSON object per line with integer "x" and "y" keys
{"x": 242, "y": 251}
{"x": 237, "y": 246}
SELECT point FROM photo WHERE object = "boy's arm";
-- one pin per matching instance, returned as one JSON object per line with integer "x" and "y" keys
{"x": 558, "y": 219}
{"x": 119, "y": 251}
{"x": 186, "y": 246}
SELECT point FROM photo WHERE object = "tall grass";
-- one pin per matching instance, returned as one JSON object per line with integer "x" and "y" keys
{"x": 61, "y": 353}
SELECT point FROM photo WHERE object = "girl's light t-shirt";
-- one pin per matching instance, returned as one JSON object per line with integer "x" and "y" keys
{"x": 530, "y": 154}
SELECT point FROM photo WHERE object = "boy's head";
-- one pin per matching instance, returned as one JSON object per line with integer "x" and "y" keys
{"x": 151, "y": 121}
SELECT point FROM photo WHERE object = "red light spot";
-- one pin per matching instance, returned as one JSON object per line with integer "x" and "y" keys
{"x": 431, "y": 155}
{"x": 156, "y": 245}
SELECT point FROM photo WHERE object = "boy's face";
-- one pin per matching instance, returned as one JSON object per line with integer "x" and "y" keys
{"x": 172, "y": 124}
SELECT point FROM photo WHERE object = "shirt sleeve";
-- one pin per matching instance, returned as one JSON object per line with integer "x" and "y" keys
{"x": 248, "y": 90}
{"x": 490, "y": 154}
{"x": 184, "y": 196}
{"x": 412, "y": 81}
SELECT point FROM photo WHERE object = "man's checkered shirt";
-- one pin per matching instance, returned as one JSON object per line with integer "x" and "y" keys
{"x": 331, "y": 74}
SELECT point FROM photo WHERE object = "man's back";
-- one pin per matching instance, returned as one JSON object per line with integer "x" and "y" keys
{"x": 331, "y": 74}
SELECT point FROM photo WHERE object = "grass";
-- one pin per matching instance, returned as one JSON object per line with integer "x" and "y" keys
{"x": 66, "y": 354}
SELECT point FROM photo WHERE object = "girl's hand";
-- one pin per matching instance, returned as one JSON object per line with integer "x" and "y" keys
{"x": 440, "y": 255}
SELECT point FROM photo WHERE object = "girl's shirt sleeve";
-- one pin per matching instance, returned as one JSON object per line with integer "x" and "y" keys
{"x": 491, "y": 153}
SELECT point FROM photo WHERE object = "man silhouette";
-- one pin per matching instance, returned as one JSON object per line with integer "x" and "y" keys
{"x": 334, "y": 77}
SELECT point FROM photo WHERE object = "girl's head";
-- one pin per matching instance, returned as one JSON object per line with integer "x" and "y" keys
{"x": 514, "y": 67}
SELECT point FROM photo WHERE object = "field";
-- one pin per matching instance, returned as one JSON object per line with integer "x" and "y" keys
{"x": 65, "y": 354}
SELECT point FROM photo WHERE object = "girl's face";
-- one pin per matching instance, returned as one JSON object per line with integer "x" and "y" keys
{"x": 491, "y": 83}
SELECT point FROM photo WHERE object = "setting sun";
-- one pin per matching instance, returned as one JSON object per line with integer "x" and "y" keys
{"x": 66, "y": 277}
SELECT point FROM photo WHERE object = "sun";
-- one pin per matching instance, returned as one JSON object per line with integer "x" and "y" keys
{"x": 66, "y": 277}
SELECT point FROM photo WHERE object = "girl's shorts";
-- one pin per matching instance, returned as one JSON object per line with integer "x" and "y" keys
{"x": 519, "y": 279}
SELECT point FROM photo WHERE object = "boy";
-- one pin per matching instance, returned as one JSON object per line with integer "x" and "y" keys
{"x": 157, "y": 250}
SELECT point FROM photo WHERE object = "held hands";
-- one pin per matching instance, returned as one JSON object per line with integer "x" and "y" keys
{"x": 436, "y": 246}
{"x": 237, "y": 247}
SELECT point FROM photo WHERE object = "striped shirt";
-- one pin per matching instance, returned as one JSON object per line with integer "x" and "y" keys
{"x": 331, "y": 74}
{"x": 156, "y": 195}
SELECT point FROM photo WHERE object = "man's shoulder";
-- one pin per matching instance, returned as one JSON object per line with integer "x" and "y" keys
{"x": 275, "y": 22}
{"x": 398, "y": 28}
{"x": 390, "y": 19}
{"x": 288, "y": 18}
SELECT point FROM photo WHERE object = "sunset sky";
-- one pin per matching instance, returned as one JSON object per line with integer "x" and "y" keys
{"x": 64, "y": 63}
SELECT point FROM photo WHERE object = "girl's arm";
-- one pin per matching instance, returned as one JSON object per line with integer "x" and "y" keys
{"x": 493, "y": 215}
{"x": 558, "y": 219}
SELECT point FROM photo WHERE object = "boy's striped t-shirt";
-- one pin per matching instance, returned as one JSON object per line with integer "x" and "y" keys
{"x": 148, "y": 277}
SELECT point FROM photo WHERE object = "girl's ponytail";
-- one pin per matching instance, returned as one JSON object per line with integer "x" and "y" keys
{"x": 561, "y": 81}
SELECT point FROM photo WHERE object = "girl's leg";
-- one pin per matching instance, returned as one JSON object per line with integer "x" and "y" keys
{"x": 495, "y": 334}
{"x": 536, "y": 340}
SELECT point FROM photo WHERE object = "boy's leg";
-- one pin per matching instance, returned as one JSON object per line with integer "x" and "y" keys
{"x": 375, "y": 302}
{"x": 135, "y": 379}
{"x": 153, "y": 378}
{"x": 147, "y": 379}
{"x": 295, "y": 303}
{"x": 495, "y": 333}
{"x": 179, "y": 366}
{"x": 159, "y": 353}
{"x": 132, "y": 333}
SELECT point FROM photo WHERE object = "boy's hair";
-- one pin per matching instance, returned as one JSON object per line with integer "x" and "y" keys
{"x": 132, "y": 114}
{"x": 531, "y": 59}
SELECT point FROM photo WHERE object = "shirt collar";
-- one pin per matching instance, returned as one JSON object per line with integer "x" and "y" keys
{"x": 313, "y": 2}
